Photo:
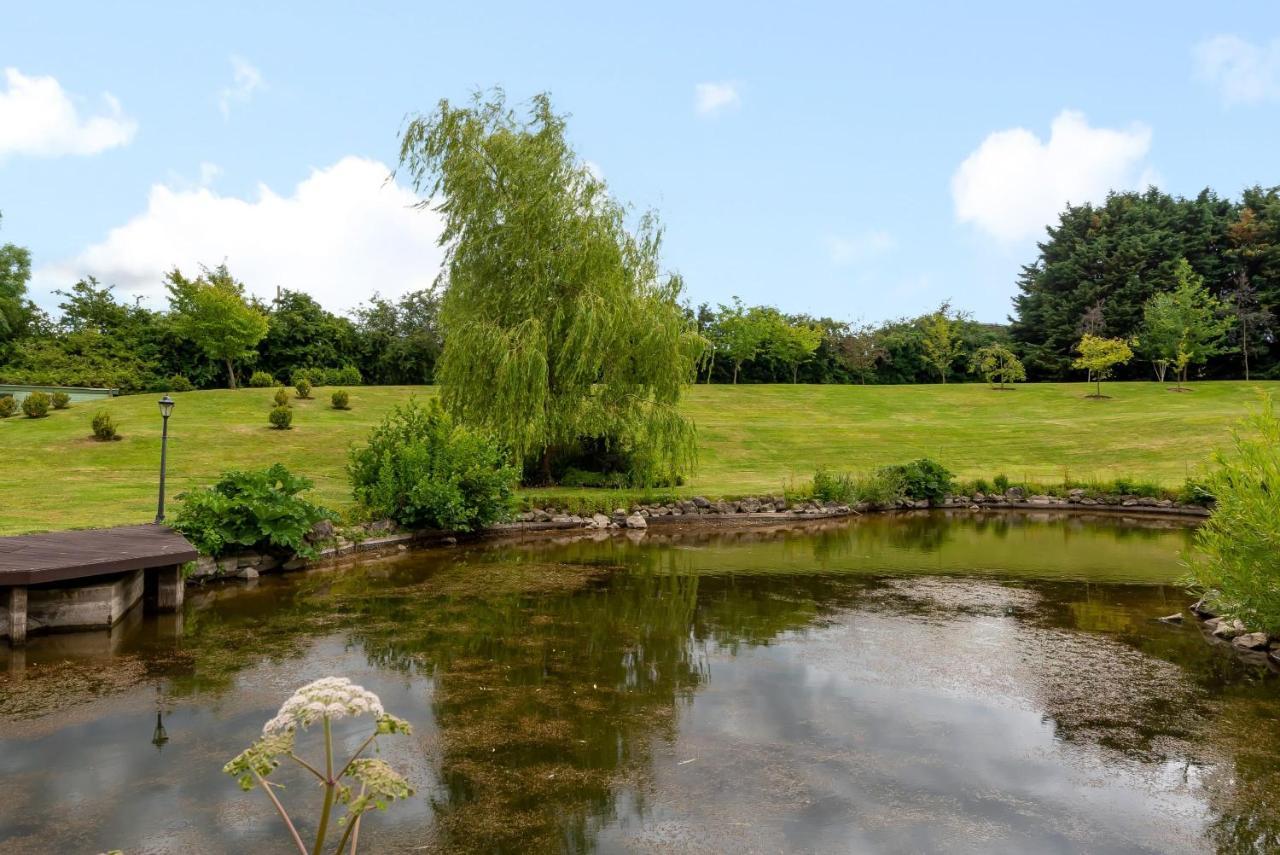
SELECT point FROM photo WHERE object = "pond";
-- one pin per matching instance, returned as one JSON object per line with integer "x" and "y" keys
{"x": 924, "y": 682}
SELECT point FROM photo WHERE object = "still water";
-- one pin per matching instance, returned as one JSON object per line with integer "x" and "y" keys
{"x": 894, "y": 684}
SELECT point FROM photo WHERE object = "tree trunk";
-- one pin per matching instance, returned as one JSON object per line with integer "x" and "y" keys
{"x": 1244, "y": 345}
{"x": 735, "y": 373}
{"x": 231, "y": 374}
{"x": 546, "y": 466}
{"x": 795, "y": 373}
{"x": 1098, "y": 380}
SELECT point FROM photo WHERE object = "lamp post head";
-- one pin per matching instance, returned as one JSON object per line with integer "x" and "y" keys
{"x": 166, "y": 406}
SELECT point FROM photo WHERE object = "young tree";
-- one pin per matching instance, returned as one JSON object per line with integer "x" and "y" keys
{"x": 558, "y": 321}
{"x": 1099, "y": 356}
{"x": 1187, "y": 325}
{"x": 941, "y": 341}
{"x": 1251, "y": 317}
{"x": 793, "y": 344}
{"x": 211, "y": 311}
{"x": 998, "y": 364}
{"x": 740, "y": 333}
{"x": 858, "y": 349}
{"x": 17, "y": 313}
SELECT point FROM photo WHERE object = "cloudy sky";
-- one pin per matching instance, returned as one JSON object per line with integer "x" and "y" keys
{"x": 860, "y": 161}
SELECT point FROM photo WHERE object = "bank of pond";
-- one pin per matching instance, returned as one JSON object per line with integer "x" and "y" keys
{"x": 924, "y": 681}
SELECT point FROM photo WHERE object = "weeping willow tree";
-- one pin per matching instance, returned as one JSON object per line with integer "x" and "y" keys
{"x": 558, "y": 322}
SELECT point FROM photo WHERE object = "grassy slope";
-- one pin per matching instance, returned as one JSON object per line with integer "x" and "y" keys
{"x": 753, "y": 439}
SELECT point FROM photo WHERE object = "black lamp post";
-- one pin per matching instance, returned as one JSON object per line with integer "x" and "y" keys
{"x": 166, "y": 407}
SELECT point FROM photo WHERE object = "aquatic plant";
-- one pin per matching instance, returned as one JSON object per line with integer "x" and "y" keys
{"x": 323, "y": 702}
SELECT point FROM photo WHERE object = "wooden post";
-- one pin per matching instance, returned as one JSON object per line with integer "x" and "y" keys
{"x": 170, "y": 587}
{"x": 17, "y": 616}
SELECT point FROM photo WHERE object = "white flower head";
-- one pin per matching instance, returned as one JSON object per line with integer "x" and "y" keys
{"x": 332, "y": 697}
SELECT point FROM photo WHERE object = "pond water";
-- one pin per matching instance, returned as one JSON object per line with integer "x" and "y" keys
{"x": 894, "y": 684}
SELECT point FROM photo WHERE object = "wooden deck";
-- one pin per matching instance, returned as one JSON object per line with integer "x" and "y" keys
{"x": 61, "y": 559}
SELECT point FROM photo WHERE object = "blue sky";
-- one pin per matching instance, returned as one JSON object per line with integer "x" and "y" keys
{"x": 858, "y": 161}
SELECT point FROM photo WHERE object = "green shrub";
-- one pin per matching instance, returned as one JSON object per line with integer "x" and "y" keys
{"x": 281, "y": 397}
{"x": 922, "y": 479}
{"x": 347, "y": 375}
{"x": 422, "y": 471}
{"x": 60, "y": 400}
{"x": 980, "y": 485}
{"x": 1000, "y": 482}
{"x": 834, "y": 487}
{"x": 882, "y": 489}
{"x": 281, "y": 418}
{"x": 1129, "y": 487}
{"x": 180, "y": 383}
{"x": 297, "y": 375}
{"x": 1195, "y": 492}
{"x": 341, "y": 400}
{"x": 36, "y": 405}
{"x": 303, "y": 388}
{"x": 261, "y": 380}
{"x": 8, "y": 406}
{"x": 104, "y": 427}
{"x": 1236, "y": 558}
{"x": 260, "y": 510}
{"x": 573, "y": 477}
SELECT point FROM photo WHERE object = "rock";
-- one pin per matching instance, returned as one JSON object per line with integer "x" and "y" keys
{"x": 637, "y": 521}
{"x": 1251, "y": 641}
{"x": 701, "y": 502}
{"x": 380, "y": 526}
{"x": 247, "y": 573}
{"x": 1075, "y": 495}
{"x": 1201, "y": 608}
{"x": 1231, "y": 628}
{"x": 749, "y": 506}
{"x": 1165, "y": 503}
{"x": 619, "y": 512}
{"x": 539, "y": 515}
{"x": 1129, "y": 503}
{"x": 449, "y": 541}
{"x": 268, "y": 562}
{"x": 248, "y": 559}
{"x": 1087, "y": 501}
{"x": 1147, "y": 502}
{"x": 321, "y": 531}
{"x": 206, "y": 566}
{"x": 1014, "y": 494}
{"x": 599, "y": 520}
{"x": 1040, "y": 500}
{"x": 227, "y": 566}
{"x": 294, "y": 563}
{"x": 975, "y": 507}
{"x": 1176, "y": 617}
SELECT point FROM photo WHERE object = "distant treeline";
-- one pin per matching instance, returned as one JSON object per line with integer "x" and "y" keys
{"x": 1096, "y": 272}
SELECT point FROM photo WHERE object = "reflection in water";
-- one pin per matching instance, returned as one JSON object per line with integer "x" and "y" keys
{"x": 988, "y": 683}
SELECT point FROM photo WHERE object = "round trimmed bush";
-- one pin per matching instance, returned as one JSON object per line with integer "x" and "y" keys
{"x": 341, "y": 400}
{"x": 281, "y": 397}
{"x": 304, "y": 389}
{"x": 180, "y": 383}
{"x": 261, "y": 380}
{"x": 8, "y": 406}
{"x": 60, "y": 400}
{"x": 347, "y": 375}
{"x": 36, "y": 405}
{"x": 281, "y": 418}
{"x": 104, "y": 427}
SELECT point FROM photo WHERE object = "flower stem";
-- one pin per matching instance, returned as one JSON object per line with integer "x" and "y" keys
{"x": 297, "y": 838}
{"x": 351, "y": 827}
{"x": 329, "y": 787}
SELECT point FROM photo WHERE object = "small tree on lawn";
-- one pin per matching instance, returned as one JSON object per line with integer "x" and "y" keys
{"x": 1184, "y": 326}
{"x": 998, "y": 364}
{"x": 858, "y": 349}
{"x": 941, "y": 339}
{"x": 212, "y": 312}
{"x": 1099, "y": 356}
{"x": 793, "y": 344}
{"x": 740, "y": 333}
{"x": 1252, "y": 319}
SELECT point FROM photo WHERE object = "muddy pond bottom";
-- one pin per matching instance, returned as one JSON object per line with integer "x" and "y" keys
{"x": 919, "y": 683}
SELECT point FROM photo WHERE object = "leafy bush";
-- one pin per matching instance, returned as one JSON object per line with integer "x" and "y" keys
{"x": 259, "y": 509}
{"x": 1000, "y": 482}
{"x": 1129, "y": 487}
{"x": 261, "y": 380}
{"x": 1237, "y": 558}
{"x": 834, "y": 487}
{"x": 8, "y": 406}
{"x": 60, "y": 400}
{"x": 303, "y": 388}
{"x": 922, "y": 479}
{"x": 341, "y": 400}
{"x": 180, "y": 383}
{"x": 422, "y": 471}
{"x": 36, "y": 405}
{"x": 347, "y": 375}
{"x": 281, "y": 397}
{"x": 883, "y": 489}
{"x": 104, "y": 427}
{"x": 1195, "y": 493}
{"x": 281, "y": 418}
{"x": 311, "y": 375}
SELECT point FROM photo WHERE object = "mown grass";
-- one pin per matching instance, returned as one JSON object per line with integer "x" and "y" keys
{"x": 752, "y": 439}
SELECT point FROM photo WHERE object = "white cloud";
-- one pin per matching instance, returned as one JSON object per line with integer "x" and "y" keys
{"x": 38, "y": 117}
{"x": 1242, "y": 71}
{"x": 848, "y": 249}
{"x": 246, "y": 79}
{"x": 1014, "y": 184}
{"x": 344, "y": 233}
{"x": 712, "y": 98}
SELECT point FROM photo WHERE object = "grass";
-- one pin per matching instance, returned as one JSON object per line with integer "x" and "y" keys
{"x": 752, "y": 439}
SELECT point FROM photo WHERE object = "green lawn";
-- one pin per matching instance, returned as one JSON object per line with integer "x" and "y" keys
{"x": 752, "y": 439}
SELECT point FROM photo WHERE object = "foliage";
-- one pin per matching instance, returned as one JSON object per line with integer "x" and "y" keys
{"x": 261, "y": 380}
{"x": 399, "y": 342}
{"x": 858, "y": 349}
{"x": 557, "y": 320}
{"x": 301, "y": 332}
{"x": 260, "y": 509}
{"x": 36, "y": 405}
{"x": 574, "y": 477}
{"x": 60, "y": 400}
{"x": 281, "y": 397}
{"x": 423, "y": 471}
{"x": 1100, "y": 356}
{"x": 303, "y": 388}
{"x": 792, "y": 344}
{"x": 740, "y": 333}
{"x": 281, "y": 417}
{"x": 922, "y": 479}
{"x": 8, "y": 406}
{"x": 104, "y": 427}
{"x": 341, "y": 400}
{"x": 180, "y": 383}
{"x": 1238, "y": 547}
{"x": 361, "y": 784}
{"x": 1000, "y": 482}
{"x": 211, "y": 311}
{"x": 998, "y": 365}
{"x": 882, "y": 489}
{"x": 1184, "y": 326}
{"x": 17, "y": 313}
{"x": 836, "y": 487}
{"x": 941, "y": 341}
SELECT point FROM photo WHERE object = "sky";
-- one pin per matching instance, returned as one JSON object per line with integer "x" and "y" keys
{"x": 858, "y": 161}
